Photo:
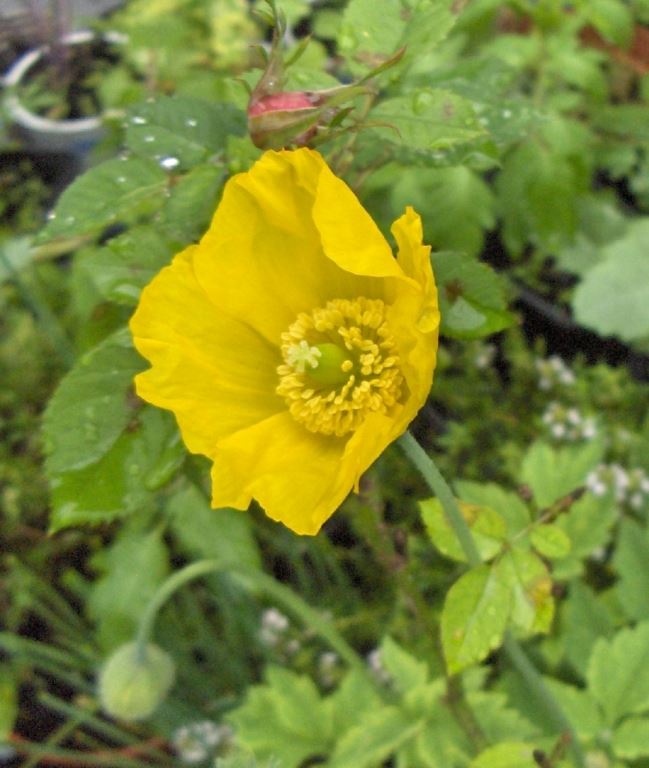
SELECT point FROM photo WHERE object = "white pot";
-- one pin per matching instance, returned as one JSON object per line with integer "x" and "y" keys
{"x": 77, "y": 135}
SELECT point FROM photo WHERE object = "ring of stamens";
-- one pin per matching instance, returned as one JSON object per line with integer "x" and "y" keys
{"x": 339, "y": 364}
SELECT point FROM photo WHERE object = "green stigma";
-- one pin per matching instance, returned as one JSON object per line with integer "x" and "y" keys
{"x": 333, "y": 367}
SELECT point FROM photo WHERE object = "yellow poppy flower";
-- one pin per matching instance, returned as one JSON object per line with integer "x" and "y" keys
{"x": 290, "y": 344}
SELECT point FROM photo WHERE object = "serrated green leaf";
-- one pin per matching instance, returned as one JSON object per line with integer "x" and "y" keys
{"x": 511, "y": 754}
{"x": 370, "y": 33}
{"x": 580, "y": 708}
{"x": 422, "y": 127}
{"x": 131, "y": 570}
{"x": 487, "y": 526}
{"x": 92, "y": 405}
{"x": 585, "y": 619}
{"x": 587, "y": 525}
{"x": 284, "y": 719}
{"x": 526, "y": 577}
{"x": 405, "y": 670}
{"x": 223, "y": 534}
{"x": 183, "y": 129}
{"x": 554, "y": 473}
{"x": 474, "y": 616}
{"x": 618, "y": 673}
{"x": 352, "y": 700}
{"x": 122, "y": 481}
{"x": 455, "y": 204}
{"x": 508, "y": 505}
{"x": 498, "y": 721}
{"x": 613, "y": 297}
{"x": 631, "y": 561}
{"x": 471, "y": 296}
{"x": 537, "y": 190}
{"x": 630, "y": 738}
{"x": 122, "y": 267}
{"x": 380, "y": 734}
{"x": 188, "y": 211}
{"x": 550, "y": 541}
{"x": 114, "y": 192}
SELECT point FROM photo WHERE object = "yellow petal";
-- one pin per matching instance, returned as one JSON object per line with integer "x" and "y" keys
{"x": 287, "y": 237}
{"x": 216, "y": 374}
{"x": 299, "y": 478}
{"x": 349, "y": 236}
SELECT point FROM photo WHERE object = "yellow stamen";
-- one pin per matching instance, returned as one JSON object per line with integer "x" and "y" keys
{"x": 360, "y": 371}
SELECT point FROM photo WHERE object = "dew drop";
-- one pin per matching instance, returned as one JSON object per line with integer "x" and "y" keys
{"x": 169, "y": 163}
{"x": 507, "y": 113}
{"x": 149, "y": 139}
{"x": 191, "y": 123}
{"x": 51, "y": 216}
{"x": 138, "y": 120}
{"x": 121, "y": 179}
{"x": 69, "y": 219}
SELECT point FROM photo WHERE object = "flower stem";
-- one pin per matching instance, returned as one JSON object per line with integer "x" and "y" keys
{"x": 511, "y": 647}
{"x": 255, "y": 581}
{"x": 440, "y": 488}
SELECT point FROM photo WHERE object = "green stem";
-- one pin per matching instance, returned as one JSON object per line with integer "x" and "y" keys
{"x": 441, "y": 489}
{"x": 512, "y": 648}
{"x": 254, "y": 581}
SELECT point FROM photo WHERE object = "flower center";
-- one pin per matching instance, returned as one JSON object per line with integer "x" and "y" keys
{"x": 340, "y": 364}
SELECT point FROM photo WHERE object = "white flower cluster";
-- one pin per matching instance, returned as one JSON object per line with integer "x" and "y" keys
{"x": 274, "y": 632}
{"x": 328, "y": 666}
{"x": 567, "y": 423}
{"x": 629, "y": 487}
{"x": 195, "y": 742}
{"x": 375, "y": 663}
{"x": 553, "y": 373}
{"x": 484, "y": 356}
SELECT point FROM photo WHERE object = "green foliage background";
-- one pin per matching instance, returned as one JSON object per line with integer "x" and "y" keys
{"x": 519, "y": 131}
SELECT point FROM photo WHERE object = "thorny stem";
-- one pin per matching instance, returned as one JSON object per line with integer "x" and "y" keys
{"x": 511, "y": 647}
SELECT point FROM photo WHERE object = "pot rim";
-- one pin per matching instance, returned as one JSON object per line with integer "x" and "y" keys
{"x": 16, "y": 73}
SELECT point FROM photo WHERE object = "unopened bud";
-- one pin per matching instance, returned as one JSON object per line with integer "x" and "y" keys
{"x": 135, "y": 681}
{"x": 277, "y": 119}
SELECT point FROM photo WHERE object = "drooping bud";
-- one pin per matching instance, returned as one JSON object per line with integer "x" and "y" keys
{"x": 135, "y": 680}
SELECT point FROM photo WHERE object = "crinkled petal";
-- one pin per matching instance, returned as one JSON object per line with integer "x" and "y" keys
{"x": 216, "y": 374}
{"x": 287, "y": 237}
{"x": 414, "y": 315}
{"x": 299, "y": 478}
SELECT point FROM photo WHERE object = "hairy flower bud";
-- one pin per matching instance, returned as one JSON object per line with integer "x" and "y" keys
{"x": 275, "y": 119}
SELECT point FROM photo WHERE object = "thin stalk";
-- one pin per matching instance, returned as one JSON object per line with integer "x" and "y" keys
{"x": 440, "y": 488}
{"x": 255, "y": 581}
{"x": 511, "y": 647}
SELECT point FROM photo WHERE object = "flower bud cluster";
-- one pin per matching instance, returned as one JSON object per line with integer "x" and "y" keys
{"x": 630, "y": 487}
{"x": 553, "y": 373}
{"x": 568, "y": 424}
{"x": 196, "y": 742}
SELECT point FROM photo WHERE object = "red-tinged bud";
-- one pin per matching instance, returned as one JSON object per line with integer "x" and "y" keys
{"x": 275, "y": 102}
{"x": 276, "y": 120}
